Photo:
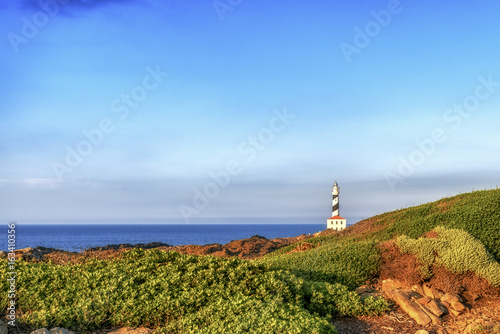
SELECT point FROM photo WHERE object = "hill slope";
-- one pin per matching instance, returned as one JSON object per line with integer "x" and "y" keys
{"x": 351, "y": 257}
{"x": 477, "y": 212}
{"x": 299, "y": 288}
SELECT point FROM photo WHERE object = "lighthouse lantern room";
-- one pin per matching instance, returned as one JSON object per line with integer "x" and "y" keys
{"x": 335, "y": 221}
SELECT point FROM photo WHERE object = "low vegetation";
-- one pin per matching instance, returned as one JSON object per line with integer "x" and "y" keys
{"x": 454, "y": 249}
{"x": 335, "y": 261}
{"x": 177, "y": 293}
{"x": 477, "y": 213}
{"x": 297, "y": 289}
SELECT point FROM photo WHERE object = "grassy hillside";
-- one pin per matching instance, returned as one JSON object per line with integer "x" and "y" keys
{"x": 351, "y": 256}
{"x": 334, "y": 261}
{"x": 286, "y": 291}
{"x": 477, "y": 212}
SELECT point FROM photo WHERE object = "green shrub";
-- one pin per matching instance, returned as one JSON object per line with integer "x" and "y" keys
{"x": 456, "y": 250}
{"x": 176, "y": 293}
{"x": 345, "y": 262}
{"x": 477, "y": 212}
{"x": 244, "y": 314}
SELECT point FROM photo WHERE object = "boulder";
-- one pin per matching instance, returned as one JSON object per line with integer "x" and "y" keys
{"x": 436, "y": 308}
{"x": 41, "y": 331}
{"x": 3, "y": 328}
{"x": 437, "y": 293}
{"x": 389, "y": 284}
{"x": 29, "y": 253}
{"x": 431, "y": 292}
{"x": 457, "y": 306}
{"x": 427, "y": 291}
{"x": 24, "y": 250}
{"x": 364, "y": 289}
{"x": 424, "y": 300}
{"x": 404, "y": 300}
{"x": 418, "y": 289}
{"x": 435, "y": 319}
{"x": 129, "y": 330}
{"x": 445, "y": 304}
{"x": 57, "y": 330}
{"x": 451, "y": 297}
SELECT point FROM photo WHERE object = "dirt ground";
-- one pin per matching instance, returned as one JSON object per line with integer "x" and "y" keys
{"x": 483, "y": 311}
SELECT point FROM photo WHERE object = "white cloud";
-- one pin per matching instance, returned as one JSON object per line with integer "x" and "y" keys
{"x": 40, "y": 183}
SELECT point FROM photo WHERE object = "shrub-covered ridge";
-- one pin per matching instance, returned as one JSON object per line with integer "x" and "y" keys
{"x": 336, "y": 261}
{"x": 174, "y": 293}
{"x": 456, "y": 250}
{"x": 477, "y": 212}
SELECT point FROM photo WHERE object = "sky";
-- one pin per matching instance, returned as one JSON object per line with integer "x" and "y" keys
{"x": 189, "y": 110}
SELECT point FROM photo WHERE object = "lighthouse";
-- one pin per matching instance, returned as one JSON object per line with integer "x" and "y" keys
{"x": 336, "y": 222}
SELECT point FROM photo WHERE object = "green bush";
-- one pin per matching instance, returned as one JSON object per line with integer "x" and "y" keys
{"x": 477, "y": 212}
{"x": 456, "y": 250}
{"x": 176, "y": 293}
{"x": 243, "y": 314}
{"x": 345, "y": 262}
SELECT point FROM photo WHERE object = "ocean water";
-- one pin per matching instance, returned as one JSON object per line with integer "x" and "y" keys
{"x": 76, "y": 237}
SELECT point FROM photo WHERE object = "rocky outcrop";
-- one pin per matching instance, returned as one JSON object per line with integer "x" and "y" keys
{"x": 29, "y": 254}
{"x": 303, "y": 246}
{"x": 128, "y": 330}
{"x": 442, "y": 312}
{"x": 150, "y": 245}
{"x": 405, "y": 299}
{"x": 366, "y": 291}
{"x": 423, "y": 303}
{"x": 250, "y": 248}
{"x": 55, "y": 330}
{"x": 3, "y": 328}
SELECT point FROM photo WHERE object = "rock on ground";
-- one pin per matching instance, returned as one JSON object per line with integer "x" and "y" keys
{"x": 128, "y": 330}
{"x": 3, "y": 328}
{"x": 55, "y": 330}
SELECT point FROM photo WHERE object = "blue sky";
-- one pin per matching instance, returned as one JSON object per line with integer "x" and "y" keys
{"x": 219, "y": 109}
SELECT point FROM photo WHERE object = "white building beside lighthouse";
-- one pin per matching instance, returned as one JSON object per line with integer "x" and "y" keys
{"x": 336, "y": 222}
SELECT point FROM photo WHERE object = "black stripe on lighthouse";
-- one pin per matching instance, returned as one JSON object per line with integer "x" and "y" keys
{"x": 335, "y": 207}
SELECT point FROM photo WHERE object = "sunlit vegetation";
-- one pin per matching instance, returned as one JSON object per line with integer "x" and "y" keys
{"x": 336, "y": 261}
{"x": 477, "y": 212}
{"x": 454, "y": 249}
{"x": 176, "y": 293}
{"x": 286, "y": 291}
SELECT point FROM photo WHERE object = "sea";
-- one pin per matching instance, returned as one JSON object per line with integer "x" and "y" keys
{"x": 78, "y": 236}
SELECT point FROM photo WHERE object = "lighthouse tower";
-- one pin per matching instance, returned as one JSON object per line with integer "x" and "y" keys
{"x": 335, "y": 221}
